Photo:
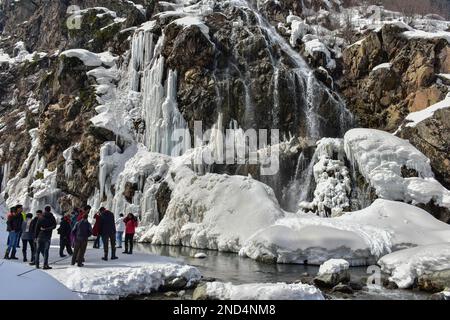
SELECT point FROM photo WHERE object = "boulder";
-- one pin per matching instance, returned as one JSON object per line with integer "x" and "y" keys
{"x": 200, "y": 293}
{"x": 332, "y": 272}
{"x": 435, "y": 282}
{"x": 342, "y": 288}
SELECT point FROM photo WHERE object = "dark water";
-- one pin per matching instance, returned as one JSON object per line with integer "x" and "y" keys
{"x": 230, "y": 267}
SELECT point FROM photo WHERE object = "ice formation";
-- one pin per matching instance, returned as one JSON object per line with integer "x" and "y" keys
{"x": 333, "y": 185}
{"x": 263, "y": 291}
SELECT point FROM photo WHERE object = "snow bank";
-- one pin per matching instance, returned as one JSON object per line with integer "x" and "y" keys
{"x": 406, "y": 265}
{"x": 35, "y": 285}
{"x": 381, "y": 157}
{"x": 359, "y": 237}
{"x": 420, "y": 34}
{"x": 138, "y": 274}
{"x": 415, "y": 118}
{"x": 263, "y": 291}
{"x": 333, "y": 266}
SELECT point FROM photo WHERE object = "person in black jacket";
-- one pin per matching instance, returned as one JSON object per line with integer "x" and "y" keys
{"x": 64, "y": 236}
{"x": 43, "y": 235}
{"x": 82, "y": 231}
{"x": 33, "y": 234}
{"x": 107, "y": 230}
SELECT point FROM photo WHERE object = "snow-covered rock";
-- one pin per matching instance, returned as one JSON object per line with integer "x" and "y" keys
{"x": 405, "y": 266}
{"x": 261, "y": 291}
{"x": 360, "y": 237}
{"x": 90, "y": 59}
{"x": 382, "y": 157}
{"x": 214, "y": 211}
{"x": 333, "y": 266}
{"x": 332, "y": 272}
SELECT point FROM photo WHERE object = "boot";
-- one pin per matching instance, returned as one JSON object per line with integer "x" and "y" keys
{"x": 105, "y": 258}
{"x": 13, "y": 256}
{"x": 47, "y": 268}
{"x": 6, "y": 257}
{"x": 114, "y": 258}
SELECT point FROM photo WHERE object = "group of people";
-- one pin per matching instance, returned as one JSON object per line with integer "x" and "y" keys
{"x": 74, "y": 233}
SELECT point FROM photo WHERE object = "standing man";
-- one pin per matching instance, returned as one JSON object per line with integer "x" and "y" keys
{"x": 107, "y": 230}
{"x": 19, "y": 210}
{"x": 27, "y": 237}
{"x": 64, "y": 236}
{"x": 120, "y": 227}
{"x": 34, "y": 234}
{"x": 44, "y": 230}
{"x": 82, "y": 231}
{"x": 13, "y": 226}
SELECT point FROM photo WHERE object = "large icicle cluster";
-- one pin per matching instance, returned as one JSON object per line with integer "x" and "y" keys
{"x": 333, "y": 184}
{"x": 34, "y": 176}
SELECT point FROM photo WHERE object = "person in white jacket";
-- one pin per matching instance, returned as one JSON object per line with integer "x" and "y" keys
{"x": 120, "y": 228}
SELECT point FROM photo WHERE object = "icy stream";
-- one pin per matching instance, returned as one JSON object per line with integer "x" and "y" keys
{"x": 229, "y": 267}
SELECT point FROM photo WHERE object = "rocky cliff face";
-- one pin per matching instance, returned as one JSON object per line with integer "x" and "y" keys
{"x": 149, "y": 67}
{"x": 404, "y": 82}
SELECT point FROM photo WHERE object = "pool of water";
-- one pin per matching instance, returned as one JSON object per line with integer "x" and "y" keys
{"x": 230, "y": 267}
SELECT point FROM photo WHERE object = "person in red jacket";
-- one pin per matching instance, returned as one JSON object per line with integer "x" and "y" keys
{"x": 96, "y": 230}
{"x": 131, "y": 224}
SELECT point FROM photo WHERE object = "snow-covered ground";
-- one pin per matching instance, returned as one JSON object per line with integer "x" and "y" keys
{"x": 406, "y": 265}
{"x": 263, "y": 291}
{"x": 129, "y": 275}
{"x": 35, "y": 285}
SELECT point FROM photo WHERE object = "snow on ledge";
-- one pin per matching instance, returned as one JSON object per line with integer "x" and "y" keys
{"x": 382, "y": 66}
{"x": 415, "y": 118}
{"x": 193, "y": 21}
{"x": 89, "y": 58}
{"x": 419, "y": 34}
{"x": 263, "y": 291}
